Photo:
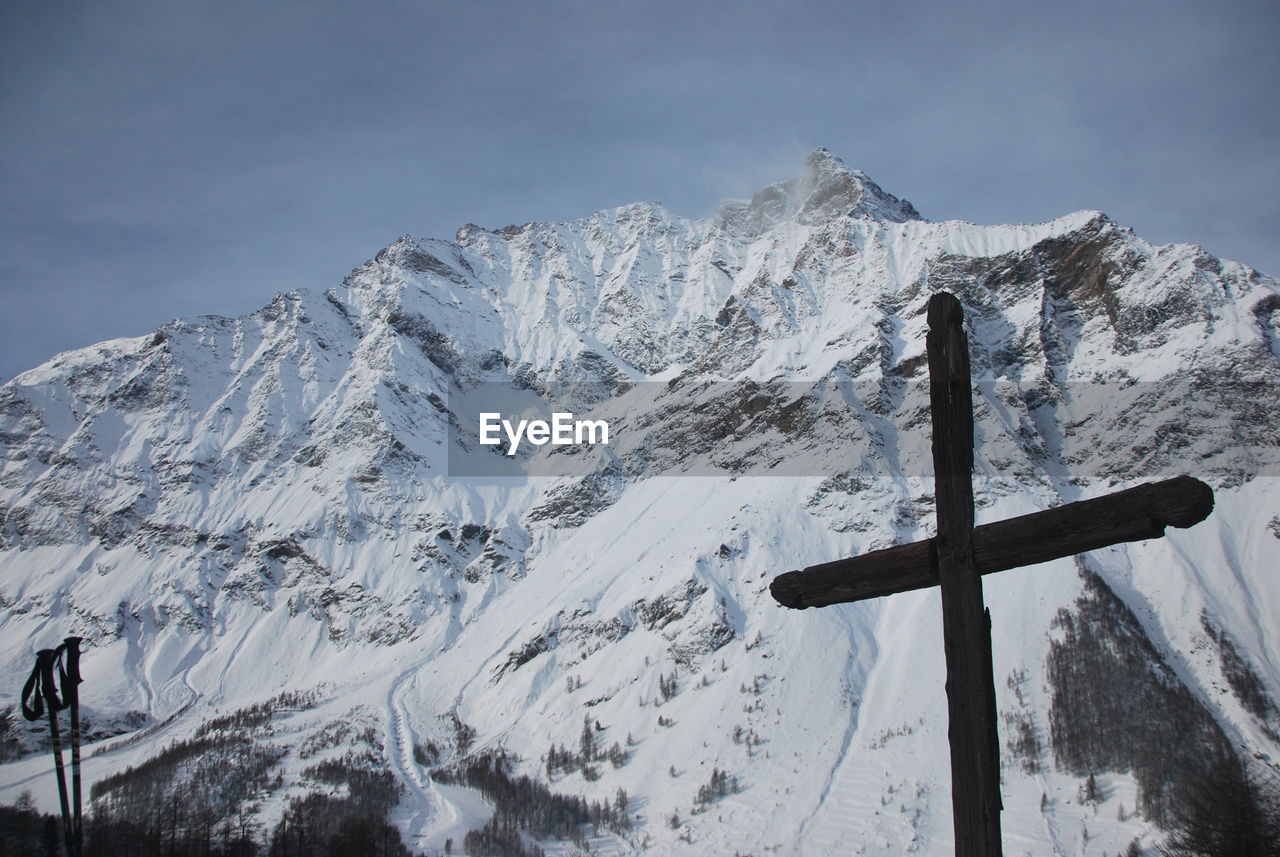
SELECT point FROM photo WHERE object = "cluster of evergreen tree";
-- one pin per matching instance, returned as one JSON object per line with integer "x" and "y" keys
{"x": 561, "y": 760}
{"x": 427, "y": 755}
{"x": 189, "y": 822}
{"x": 1244, "y": 680}
{"x": 322, "y": 825}
{"x": 11, "y": 746}
{"x": 1116, "y": 706}
{"x": 255, "y": 716}
{"x": 463, "y": 734}
{"x": 27, "y": 832}
{"x": 522, "y": 804}
{"x": 721, "y": 784}
{"x": 1023, "y": 742}
{"x": 1228, "y": 813}
{"x": 362, "y": 775}
{"x": 196, "y": 798}
{"x": 667, "y": 686}
{"x": 188, "y": 799}
{"x": 222, "y": 762}
{"x": 350, "y": 824}
{"x": 499, "y": 838}
{"x": 177, "y": 829}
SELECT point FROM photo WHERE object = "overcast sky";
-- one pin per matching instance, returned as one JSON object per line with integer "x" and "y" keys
{"x": 168, "y": 159}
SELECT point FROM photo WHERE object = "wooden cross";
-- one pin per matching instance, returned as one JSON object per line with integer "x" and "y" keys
{"x": 959, "y": 554}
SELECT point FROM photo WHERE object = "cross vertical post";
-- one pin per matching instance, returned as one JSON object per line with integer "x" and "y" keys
{"x": 966, "y": 626}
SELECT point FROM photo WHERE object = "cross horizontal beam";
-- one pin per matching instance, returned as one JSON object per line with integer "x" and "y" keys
{"x": 1125, "y": 516}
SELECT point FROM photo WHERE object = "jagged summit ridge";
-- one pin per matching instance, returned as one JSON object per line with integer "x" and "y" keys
{"x": 828, "y": 188}
{"x": 825, "y": 189}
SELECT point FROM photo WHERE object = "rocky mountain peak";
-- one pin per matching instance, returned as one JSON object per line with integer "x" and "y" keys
{"x": 828, "y": 188}
{"x": 825, "y": 189}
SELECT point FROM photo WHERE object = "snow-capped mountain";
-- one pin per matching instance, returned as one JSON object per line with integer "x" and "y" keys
{"x": 229, "y": 510}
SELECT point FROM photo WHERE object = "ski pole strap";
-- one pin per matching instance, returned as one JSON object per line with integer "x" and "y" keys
{"x": 40, "y": 688}
{"x": 32, "y": 704}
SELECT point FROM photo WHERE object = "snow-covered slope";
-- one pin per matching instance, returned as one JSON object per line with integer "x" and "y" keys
{"x": 232, "y": 508}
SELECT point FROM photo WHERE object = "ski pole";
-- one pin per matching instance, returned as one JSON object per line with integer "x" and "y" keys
{"x": 43, "y": 692}
{"x": 71, "y": 679}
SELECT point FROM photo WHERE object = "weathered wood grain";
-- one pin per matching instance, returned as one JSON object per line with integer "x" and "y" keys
{"x": 966, "y": 626}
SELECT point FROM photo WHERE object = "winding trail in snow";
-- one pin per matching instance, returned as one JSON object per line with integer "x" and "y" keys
{"x": 400, "y": 744}
{"x": 1051, "y": 822}
{"x": 435, "y": 812}
{"x": 806, "y": 831}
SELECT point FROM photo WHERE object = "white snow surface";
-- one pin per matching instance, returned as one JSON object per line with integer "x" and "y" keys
{"x": 231, "y": 508}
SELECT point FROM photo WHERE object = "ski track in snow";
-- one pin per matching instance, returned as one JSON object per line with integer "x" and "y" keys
{"x": 402, "y": 741}
{"x": 438, "y": 812}
{"x": 837, "y": 782}
{"x": 1051, "y": 827}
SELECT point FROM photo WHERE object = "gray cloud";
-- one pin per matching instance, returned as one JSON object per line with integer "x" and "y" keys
{"x": 166, "y": 159}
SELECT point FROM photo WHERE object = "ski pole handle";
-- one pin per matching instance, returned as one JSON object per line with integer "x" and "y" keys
{"x": 70, "y": 669}
{"x": 32, "y": 703}
{"x": 46, "y": 660}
